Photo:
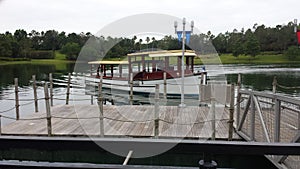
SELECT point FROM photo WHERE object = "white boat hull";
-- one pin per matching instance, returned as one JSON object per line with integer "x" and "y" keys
{"x": 173, "y": 87}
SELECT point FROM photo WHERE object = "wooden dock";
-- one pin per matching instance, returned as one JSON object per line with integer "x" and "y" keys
{"x": 134, "y": 121}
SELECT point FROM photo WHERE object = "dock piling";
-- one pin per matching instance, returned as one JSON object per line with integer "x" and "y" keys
{"x": 100, "y": 104}
{"x": 274, "y": 84}
{"x": 165, "y": 85}
{"x": 68, "y": 89}
{"x": 0, "y": 124}
{"x": 156, "y": 112}
{"x": 252, "y": 111}
{"x": 213, "y": 120}
{"x": 131, "y": 88}
{"x": 277, "y": 120}
{"x": 238, "y": 100}
{"x": 17, "y": 105}
{"x": 231, "y": 113}
{"x": 51, "y": 88}
{"x": 35, "y": 93}
{"x": 48, "y": 112}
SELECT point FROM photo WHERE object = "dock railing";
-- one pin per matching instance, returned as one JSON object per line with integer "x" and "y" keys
{"x": 158, "y": 100}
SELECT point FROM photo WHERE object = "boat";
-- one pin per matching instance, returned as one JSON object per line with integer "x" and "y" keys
{"x": 146, "y": 69}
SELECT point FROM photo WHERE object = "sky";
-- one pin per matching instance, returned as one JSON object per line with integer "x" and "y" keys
{"x": 217, "y": 16}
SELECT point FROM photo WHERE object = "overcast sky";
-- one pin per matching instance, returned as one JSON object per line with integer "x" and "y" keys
{"x": 91, "y": 15}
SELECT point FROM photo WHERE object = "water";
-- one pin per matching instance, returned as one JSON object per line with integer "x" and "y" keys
{"x": 256, "y": 77}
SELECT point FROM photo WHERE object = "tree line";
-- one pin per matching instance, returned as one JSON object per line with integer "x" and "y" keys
{"x": 34, "y": 44}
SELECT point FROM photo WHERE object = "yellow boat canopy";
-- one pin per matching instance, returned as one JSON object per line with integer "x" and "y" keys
{"x": 164, "y": 53}
{"x": 105, "y": 62}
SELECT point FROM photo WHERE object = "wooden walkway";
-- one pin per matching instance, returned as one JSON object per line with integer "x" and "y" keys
{"x": 133, "y": 121}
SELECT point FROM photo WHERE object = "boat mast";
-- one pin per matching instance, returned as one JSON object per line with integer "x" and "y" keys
{"x": 183, "y": 33}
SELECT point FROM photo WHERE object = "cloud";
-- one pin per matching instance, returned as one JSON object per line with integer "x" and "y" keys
{"x": 91, "y": 15}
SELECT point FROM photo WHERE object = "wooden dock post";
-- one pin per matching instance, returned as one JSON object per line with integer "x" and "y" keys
{"x": 35, "y": 93}
{"x": 100, "y": 104}
{"x": 156, "y": 112}
{"x": 51, "y": 88}
{"x": 274, "y": 84}
{"x": 213, "y": 120}
{"x": 277, "y": 110}
{"x": 231, "y": 113}
{"x": 92, "y": 99}
{"x": 17, "y": 105}
{"x": 68, "y": 89}
{"x": 49, "y": 125}
{"x": 238, "y": 100}
{"x": 0, "y": 124}
{"x": 165, "y": 85}
{"x": 252, "y": 111}
{"x": 131, "y": 88}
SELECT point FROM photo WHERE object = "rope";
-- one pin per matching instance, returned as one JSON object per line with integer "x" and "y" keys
{"x": 26, "y": 104}
{"x": 72, "y": 99}
{"x": 184, "y": 84}
{"x": 199, "y": 122}
{"x": 7, "y": 110}
{"x": 287, "y": 87}
{"x": 128, "y": 121}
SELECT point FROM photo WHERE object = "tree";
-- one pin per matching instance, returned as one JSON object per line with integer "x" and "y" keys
{"x": 252, "y": 47}
{"x": 153, "y": 41}
{"x": 147, "y": 40}
{"x": 21, "y": 44}
{"x": 5, "y": 46}
{"x": 140, "y": 43}
{"x": 71, "y": 50}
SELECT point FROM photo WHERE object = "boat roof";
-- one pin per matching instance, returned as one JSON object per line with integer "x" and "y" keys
{"x": 164, "y": 53}
{"x": 106, "y": 62}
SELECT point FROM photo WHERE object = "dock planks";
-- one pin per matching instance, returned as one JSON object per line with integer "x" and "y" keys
{"x": 129, "y": 120}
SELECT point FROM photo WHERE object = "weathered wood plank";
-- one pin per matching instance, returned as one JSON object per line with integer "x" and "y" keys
{"x": 83, "y": 120}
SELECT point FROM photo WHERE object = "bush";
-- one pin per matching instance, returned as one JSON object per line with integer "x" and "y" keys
{"x": 293, "y": 52}
{"x": 41, "y": 55}
{"x": 13, "y": 59}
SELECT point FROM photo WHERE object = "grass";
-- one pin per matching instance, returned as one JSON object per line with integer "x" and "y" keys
{"x": 59, "y": 58}
{"x": 243, "y": 59}
{"x": 264, "y": 58}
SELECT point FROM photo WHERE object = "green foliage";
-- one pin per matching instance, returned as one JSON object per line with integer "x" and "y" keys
{"x": 41, "y": 55}
{"x": 292, "y": 53}
{"x": 252, "y": 47}
{"x": 71, "y": 50}
{"x": 13, "y": 59}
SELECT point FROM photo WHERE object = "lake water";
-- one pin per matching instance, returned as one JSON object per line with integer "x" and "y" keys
{"x": 256, "y": 77}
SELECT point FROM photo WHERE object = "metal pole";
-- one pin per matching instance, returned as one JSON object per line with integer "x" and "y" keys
{"x": 182, "y": 64}
{"x": 128, "y": 157}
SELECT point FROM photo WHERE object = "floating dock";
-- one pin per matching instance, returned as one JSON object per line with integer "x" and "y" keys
{"x": 130, "y": 120}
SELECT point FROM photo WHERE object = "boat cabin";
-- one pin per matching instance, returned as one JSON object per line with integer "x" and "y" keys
{"x": 148, "y": 65}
